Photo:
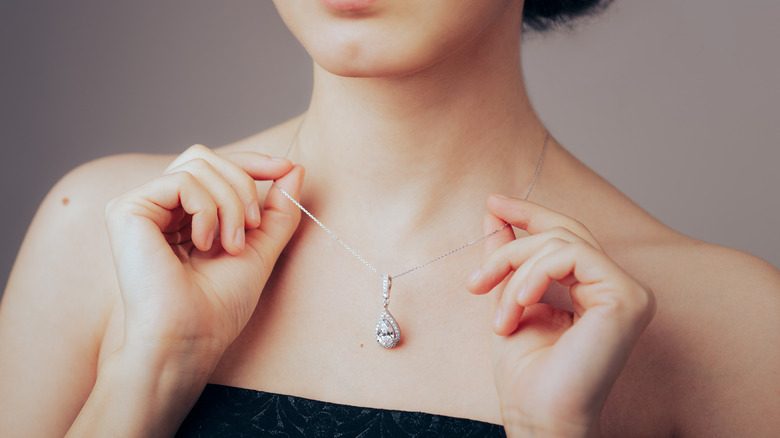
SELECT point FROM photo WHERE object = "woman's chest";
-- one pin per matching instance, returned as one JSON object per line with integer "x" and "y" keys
{"x": 313, "y": 335}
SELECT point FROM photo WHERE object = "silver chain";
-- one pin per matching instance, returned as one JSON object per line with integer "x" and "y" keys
{"x": 420, "y": 266}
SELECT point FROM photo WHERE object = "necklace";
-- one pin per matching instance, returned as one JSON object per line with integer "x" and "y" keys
{"x": 388, "y": 333}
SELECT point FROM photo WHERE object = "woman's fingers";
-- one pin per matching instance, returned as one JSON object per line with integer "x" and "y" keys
{"x": 256, "y": 165}
{"x": 528, "y": 216}
{"x": 534, "y": 218}
{"x": 509, "y": 262}
{"x": 612, "y": 310}
{"x": 155, "y": 200}
{"x": 135, "y": 219}
{"x": 231, "y": 211}
{"x": 596, "y": 281}
{"x": 479, "y": 280}
{"x": 515, "y": 296}
{"x": 240, "y": 170}
{"x": 511, "y": 256}
{"x": 492, "y": 223}
{"x": 509, "y": 266}
{"x": 230, "y": 179}
{"x": 280, "y": 219}
{"x": 259, "y": 166}
{"x": 228, "y": 184}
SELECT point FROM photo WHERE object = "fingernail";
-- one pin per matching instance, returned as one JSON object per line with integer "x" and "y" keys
{"x": 210, "y": 239}
{"x": 254, "y": 213}
{"x": 238, "y": 239}
{"x": 473, "y": 278}
{"x": 500, "y": 196}
{"x": 522, "y": 293}
{"x": 279, "y": 159}
{"x": 498, "y": 318}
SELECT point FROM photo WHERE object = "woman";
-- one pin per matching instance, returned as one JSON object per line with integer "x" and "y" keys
{"x": 418, "y": 115}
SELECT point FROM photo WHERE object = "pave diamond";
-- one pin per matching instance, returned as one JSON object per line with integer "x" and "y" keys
{"x": 388, "y": 334}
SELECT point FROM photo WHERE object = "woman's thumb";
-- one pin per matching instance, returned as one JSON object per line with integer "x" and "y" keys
{"x": 280, "y": 218}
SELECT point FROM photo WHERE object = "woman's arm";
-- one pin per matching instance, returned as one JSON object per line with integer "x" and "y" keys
{"x": 185, "y": 293}
{"x": 58, "y": 299}
{"x": 144, "y": 393}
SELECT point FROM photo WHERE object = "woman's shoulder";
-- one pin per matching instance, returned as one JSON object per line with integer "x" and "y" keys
{"x": 96, "y": 181}
{"x": 711, "y": 349}
{"x": 67, "y": 236}
{"x": 653, "y": 248}
{"x": 62, "y": 288}
{"x": 713, "y": 342}
{"x": 72, "y": 214}
{"x": 74, "y": 207}
{"x": 67, "y": 240}
{"x": 83, "y": 193}
{"x": 650, "y": 249}
{"x": 707, "y": 274}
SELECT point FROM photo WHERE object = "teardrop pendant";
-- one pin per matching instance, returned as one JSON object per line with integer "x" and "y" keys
{"x": 388, "y": 334}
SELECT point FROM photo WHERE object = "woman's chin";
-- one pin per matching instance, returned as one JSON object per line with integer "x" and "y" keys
{"x": 371, "y": 64}
{"x": 363, "y": 69}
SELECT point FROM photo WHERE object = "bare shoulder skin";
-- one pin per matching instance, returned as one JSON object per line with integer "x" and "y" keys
{"x": 706, "y": 365}
{"x": 708, "y": 355}
{"x": 59, "y": 297}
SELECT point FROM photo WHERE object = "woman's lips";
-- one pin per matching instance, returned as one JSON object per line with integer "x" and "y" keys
{"x": 347, "y": 5}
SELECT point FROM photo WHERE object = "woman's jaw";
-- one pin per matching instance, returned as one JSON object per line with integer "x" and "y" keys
{"x": 391, "y": 38}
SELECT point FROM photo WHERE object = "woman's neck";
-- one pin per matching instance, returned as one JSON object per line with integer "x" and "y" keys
{"x": 426, "y": 143}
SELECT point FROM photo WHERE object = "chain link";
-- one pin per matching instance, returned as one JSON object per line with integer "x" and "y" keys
{"x": 423, "y": 265}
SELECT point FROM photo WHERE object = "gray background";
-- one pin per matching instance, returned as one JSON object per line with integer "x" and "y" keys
{"x": 674, "y": 101}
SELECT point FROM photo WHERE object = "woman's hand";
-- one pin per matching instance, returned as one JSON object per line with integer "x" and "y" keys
{"x": 193, "y": 250}
{"x": 554, "y": 369}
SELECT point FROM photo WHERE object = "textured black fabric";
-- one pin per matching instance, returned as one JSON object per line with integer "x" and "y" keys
{"x": 226, "y": 411}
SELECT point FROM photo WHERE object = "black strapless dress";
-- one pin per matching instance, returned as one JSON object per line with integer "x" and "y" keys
{"x": 226, "y": 411}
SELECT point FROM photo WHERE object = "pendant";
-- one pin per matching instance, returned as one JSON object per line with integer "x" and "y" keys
{"x": 388, "y": 334}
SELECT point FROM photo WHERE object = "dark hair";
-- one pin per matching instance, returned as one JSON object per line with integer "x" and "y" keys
{"x": 541, "y": 15}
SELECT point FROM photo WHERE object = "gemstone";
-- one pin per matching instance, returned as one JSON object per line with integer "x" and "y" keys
{"x": 388, "y": 334}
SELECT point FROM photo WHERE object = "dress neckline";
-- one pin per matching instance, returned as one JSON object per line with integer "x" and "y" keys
{"x": 229, "y": 411}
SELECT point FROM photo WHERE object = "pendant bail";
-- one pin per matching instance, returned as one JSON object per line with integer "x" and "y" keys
{"x": 387, "y": 283}
{"x": 388, "y": 334}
